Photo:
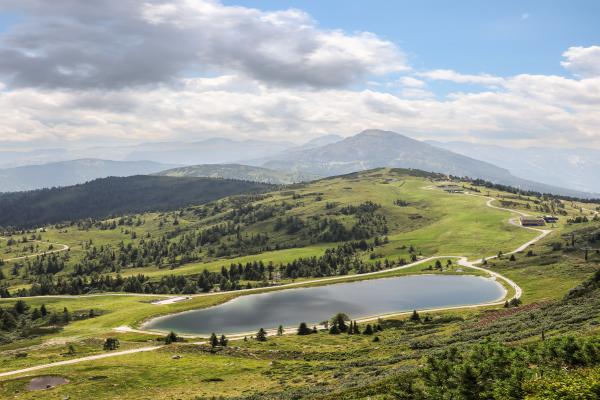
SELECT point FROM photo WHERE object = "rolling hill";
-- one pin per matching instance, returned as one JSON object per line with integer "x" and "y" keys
{"x": 114, "y": 196}
{"x": 66, "y": 173}
{"x": 359, "y": 226}
{"x": 240, "y": 172}
{"x": 375, "y": 148}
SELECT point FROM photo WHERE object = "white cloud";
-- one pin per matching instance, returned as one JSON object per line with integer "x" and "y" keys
{"x": 120, "y": 43}
{"x": 409, "y": 81}
{"x": 191, "y": 68}
{"x": 453, "y": 76}
{"x": 531, "y": 109}
{"x": 583, "y": 61}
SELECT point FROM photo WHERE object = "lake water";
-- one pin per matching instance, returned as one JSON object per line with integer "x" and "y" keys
{"x": 314, "y": 304}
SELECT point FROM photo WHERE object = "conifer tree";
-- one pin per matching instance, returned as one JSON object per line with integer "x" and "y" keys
{"x": 66, "y": 316}
{"x": 111, "y": 344}
{"x": 415, "y": 316}
{"x": 35, "y": 314}
{"x": 261, "y": 336}
{"x": 171, "y": 338}
{"x": 303, "y": 329}
{"x": 223, "y": 341}
{"x": 214, "y": 341}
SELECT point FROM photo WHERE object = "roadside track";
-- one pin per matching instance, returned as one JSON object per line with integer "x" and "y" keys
{"x": 64, "y": 247}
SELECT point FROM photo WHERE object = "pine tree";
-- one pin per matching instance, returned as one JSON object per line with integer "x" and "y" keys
{"x": 223, "y": 341}
{"x": 350, "y": 330}
{"x": 280, "y": 330}
{"x": 20, "y": 307}
{"x": 340, "y": 319}
{"x": 171, "y": 338}
{"x": 66, "y": 316}
{"x": 334, "y": 330}
{"x": 415, "y": 316}
{"x": 35, "y": 314}
{"x": 214, "y": 341}
{"x": 368, "y": 330}
{"x": 303, "y": 329}
{"x": 111, "y": 344}
{"x": 356, "y": 328}
{"x": 261, "y": 336}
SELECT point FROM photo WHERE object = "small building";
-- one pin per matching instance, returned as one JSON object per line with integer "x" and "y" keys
{"x": 550, "y": 219}
{"x": 532, "y": 221}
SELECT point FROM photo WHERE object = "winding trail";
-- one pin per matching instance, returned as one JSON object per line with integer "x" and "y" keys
{"x": 462, "y": 260}
{"x": 64, "y": 247}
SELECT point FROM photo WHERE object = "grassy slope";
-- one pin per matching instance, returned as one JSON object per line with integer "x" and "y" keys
{"x": 448, "y": 224}
{"x": 543, "y": 276}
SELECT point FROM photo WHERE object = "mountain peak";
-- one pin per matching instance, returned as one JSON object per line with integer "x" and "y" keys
{"x": 381, "y": 134}
{"x": 377, "y": 133}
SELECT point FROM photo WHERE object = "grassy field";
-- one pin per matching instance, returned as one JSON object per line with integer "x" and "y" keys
{"x": 434, "y": 222}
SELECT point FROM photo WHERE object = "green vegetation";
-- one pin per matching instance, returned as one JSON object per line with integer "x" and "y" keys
{"x": 545, "y": 346}
{"x": 101, "y": 198}
{"x": 287, "y": 227}
{"x": 239, "y": 172}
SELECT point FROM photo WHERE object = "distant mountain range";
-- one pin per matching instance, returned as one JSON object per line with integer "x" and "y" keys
{"x": 576, "y": 169}
{"x": 565, "y": 172}
{"x": 209, "y": 151}
{"x": 65, "y": 173}
{"x": 375, "y": 148}
{"x": 241, "y": 172}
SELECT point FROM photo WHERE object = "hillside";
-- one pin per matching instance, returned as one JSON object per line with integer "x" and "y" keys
{"x": 389, "y": 213}
{"x": 66, "y": 173}
{"x": 375, "y": 148}
{"x": 346, "y": 228}
{"x": 239, "y": 172}
{"x": 114, "y": 196}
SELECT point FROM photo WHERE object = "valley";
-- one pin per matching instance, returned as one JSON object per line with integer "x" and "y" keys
{"x": 301, "y": 235}
{"x": 299, "y": 200}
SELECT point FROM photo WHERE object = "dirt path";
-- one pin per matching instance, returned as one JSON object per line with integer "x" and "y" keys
{"x": 78, "y": 360}
{"x": 64, "y": 247}
{"x": 461, "y": 260}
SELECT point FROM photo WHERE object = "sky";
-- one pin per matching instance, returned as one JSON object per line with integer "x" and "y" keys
{"x": 513, "y": 73}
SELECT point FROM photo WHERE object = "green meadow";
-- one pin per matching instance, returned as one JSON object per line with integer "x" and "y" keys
{"x": 430, "y": 221}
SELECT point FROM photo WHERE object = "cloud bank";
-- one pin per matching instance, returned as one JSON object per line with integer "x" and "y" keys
{"x": 190, "y": 69}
